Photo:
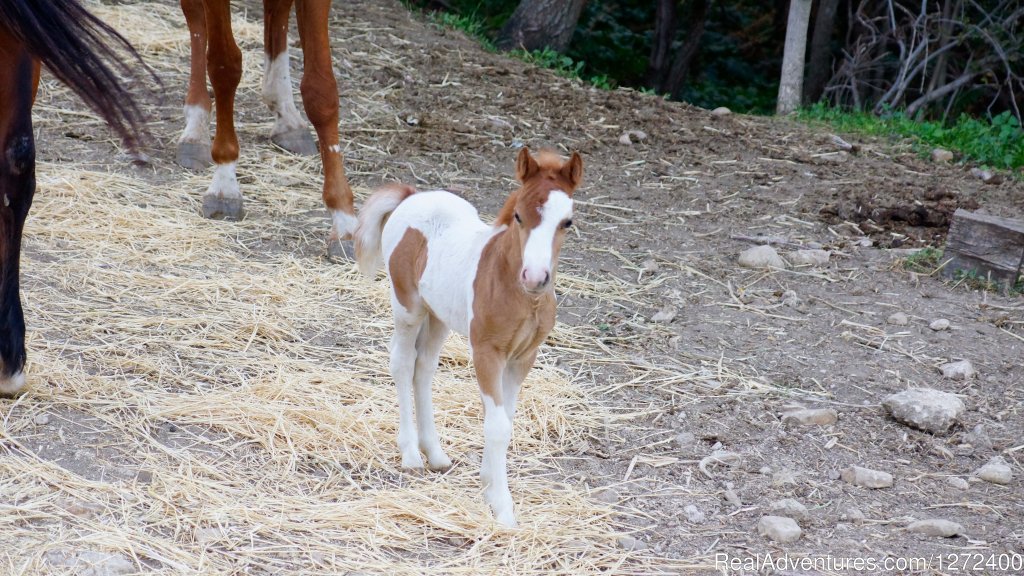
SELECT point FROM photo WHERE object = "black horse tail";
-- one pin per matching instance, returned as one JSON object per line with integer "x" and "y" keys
{"x": 84, "y": 53}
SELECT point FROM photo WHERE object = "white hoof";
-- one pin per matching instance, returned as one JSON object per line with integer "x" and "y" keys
{"x": 506, "y": 518}
{"x": 411, "y": 460}
{"x": 12, "y": 385}
{"x": 438, "y": 460}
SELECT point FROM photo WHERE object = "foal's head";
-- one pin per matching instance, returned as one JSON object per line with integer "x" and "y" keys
{"x": 540, "y": 212}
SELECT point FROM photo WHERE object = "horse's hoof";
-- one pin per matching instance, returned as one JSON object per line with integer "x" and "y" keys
{"x": 12, "y": 386}
{"x": 298, "y": 141}
{"x": 194, "y": 155}
{"x": 340, "y": 250}
{"x": 217, "y": 207}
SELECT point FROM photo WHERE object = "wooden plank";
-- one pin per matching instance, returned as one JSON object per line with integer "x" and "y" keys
{"x": 989, "y": 246}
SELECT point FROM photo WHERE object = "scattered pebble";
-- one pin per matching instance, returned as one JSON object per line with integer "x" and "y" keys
{"x": 866, "y": 477}
{"x": 855, "y": 515}
{"x": 809, "y": 257}
{"x": 783, "y": 477}
{"x": 631, "y": 136}
{"x": 763, "y": 256}
{"x": 987, "y": 176}
{"x": 41, "y": 419}
{"x": 864, "y": 242}
{"x": 942, "y": 155}
{"x": 765, "y": 470}
{"x": 665, "y": 315}
{"x": 91, "y": 562}
{"x": 608, "y": 496}
{"x": 790, "y": 508}
{"x": 718, "y": 457}
{"x": 936, "y": 527}
{"x": 686, "y": 440}
{"x": 957, "y": 482}
{"x": 997, "y": 471}
{"x": 925, "y": 409}
{"x": 779, "y": 528}
{"x": 960, "y": 370}
{"x": 898, "y": 319}
{"x": 721, "y": 111}
{"x": 732, "y": 498}
{"x": 694, "y": 515}
{"x": 811, "y": 417}
{"x": 939, "y": 325}
{"x": 978, "y": 438}
{"x": 630, "y": 543}
{"x": 650, "y": 265}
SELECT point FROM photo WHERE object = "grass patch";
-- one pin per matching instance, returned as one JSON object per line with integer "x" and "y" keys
{"x": 924, "y": 261}
{"x": 998, "y": 142}
{"x": 929, "y": 261}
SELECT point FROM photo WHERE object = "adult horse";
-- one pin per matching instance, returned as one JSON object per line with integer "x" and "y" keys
{"x": 75, "y": 46}
{"x": 213, "y": 50}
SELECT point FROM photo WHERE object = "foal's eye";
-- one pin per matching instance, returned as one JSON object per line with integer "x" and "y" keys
{"x": 518, "y": 219}
{"x": 567, "y": 223}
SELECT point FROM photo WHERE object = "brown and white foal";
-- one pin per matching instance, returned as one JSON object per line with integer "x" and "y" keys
{"x": 494, "y": 284}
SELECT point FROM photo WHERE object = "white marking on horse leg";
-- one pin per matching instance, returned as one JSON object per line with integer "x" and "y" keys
{"x": 224, "y": 183}
{"x": 511, "y": 383}
{"x": 428, "y": 350}
{"x": 493, "y": 468}
{"x": 537, "y": 254}
{"x": 197, "y": 125}
{"x": 277, "y": 95}
{"x": 344, "y": 224}
{"x": 12, "y": 385}
{"x": 403, "y": 366}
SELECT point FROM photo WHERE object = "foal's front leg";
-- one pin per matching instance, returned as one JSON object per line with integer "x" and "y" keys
{"x": 490, "y": 365}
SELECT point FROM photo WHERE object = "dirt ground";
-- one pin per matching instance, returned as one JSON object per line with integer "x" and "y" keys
{"x": 732, "y": 348}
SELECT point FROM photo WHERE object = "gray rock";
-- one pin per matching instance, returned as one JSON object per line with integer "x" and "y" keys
{"x": 978, "y": 438}
{"x": 91, "y": 562}
{"x": 942, "y": 155}
{"x": 630, "y": 136}
{"x": 779, "y": 528}
{"x": 936, "y": 527}
{"x": 630, "y": 543}
{"x": 939, "y": 324}
{"x": 41, "y": 419}
{"x": 686, "y": 440}
{"x": 898, "y": 319}
{"x": 810, "y": 417}
{"x": 957, "y": 482}
{"x": 732, "y": 497}
{"x": 866, "y": 478}
{"x": 693, "y": 514}
{"x": 925, "y": 408}
{"x": 721, "y": 111}
{"x": 986, "y": 176}
{"x": 960, "y": 370}
{"x": 608, "y": 496}
{"x": 809, "y": 257}
{"x": 855, "y": 515}
{"x": 790, "y": 508}
{"x": 665, "y": 315}
{"x": 761, "y": 257}
{"x": 650, "y": 265}
{"x": 997, "y": 471}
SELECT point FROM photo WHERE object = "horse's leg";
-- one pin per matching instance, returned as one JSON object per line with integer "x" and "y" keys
{"x": 19, "y": 74}
{"x": 320, "y": 99}
{"x": 512, "y": 381}
{"x": 403, "y": 368}
{"x": 490, "y": 365}
{"x": 194, "y": 144}
{"x": 223, "y": 199}
{"x": 290, "y": 131}
{"x": 428, "y": 350}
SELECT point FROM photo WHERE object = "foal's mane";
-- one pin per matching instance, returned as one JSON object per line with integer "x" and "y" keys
{"x": 547, "y": 177}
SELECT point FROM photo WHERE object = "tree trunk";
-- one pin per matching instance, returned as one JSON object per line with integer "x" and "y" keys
{"x": 676, "y": 80}
{"x": 661, "y": 46}
{"x": 819, "y": 65}
{"x": 792, "y": 80}
{"x": 539, "y": 24}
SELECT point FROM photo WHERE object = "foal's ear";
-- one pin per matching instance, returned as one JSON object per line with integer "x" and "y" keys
{"x": 526, "y": 166}
{"x": 573, "y": 170}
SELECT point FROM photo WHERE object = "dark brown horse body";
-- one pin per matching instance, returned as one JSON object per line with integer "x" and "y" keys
{"x": 76, "y": 47}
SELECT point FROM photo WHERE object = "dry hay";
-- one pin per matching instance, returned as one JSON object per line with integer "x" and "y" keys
{"x": 213, "y": 398}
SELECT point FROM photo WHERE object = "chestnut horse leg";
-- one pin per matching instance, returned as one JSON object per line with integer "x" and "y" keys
{"x": 19, "y": 75}
{"x": 194, "y": 144}
{"x": 223, "y": 199}
{"x": 290, "y": 131}
{"x": 320, "y": 99}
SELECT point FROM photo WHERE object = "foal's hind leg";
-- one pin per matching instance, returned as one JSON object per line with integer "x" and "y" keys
{"x": 403, "y": 368}
{"x": 428, "y": 350}
{"x": 290, "y": 131}
{"x": 194, "y": 144}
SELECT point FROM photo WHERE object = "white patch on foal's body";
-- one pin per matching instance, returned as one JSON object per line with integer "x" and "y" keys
{"x": 537, "y": 254}
{"x": 455, "y": 239}
{"x": 224, "y": 182}
{"x": 277, "y": 94}
{"x": 197, "y": 125}
{"x": 12, "y": 385}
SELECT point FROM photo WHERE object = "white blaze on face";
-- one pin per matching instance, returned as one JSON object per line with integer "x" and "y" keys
{"x": 537, "y": 254}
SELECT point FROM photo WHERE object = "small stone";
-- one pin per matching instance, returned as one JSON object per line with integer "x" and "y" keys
{"x": 685, "y": 440}
{"x": 809, "y": 257}
{"x": 693, "y": 514}
{"x": 630, "y": 543}
{"x": 779, "y": 528}
{"x": 855, "y": 515}
{"x": 665, "y": 315}
{"x": 608, "y": 496}
{"x": 650, "y": 265}
{"x": 721, "y": 111}
{"x": 986, "y": 176}
{"x": 765, "y": 470}
{"x": 763, "y": 256}
{"x": 41, "y": 419}
{"x": 942, "y": 155}
{"x": 630, "y": 136}
{"x": 925, "y": 409}
{"x": 732, "y": 498}
{"x": 997, "y": 471}
{"x": 936, "y": 527}
{"x": 91, "y": 562}
{"x": 790, "y": 508}
{"x": 960, "y": 370}
{"x": 866, "y": 477}
{"x": 939, "y": 325}
{"x": 810, "y": 417}
{"x": 957, "y": 482}
{"x": 978, "y": 438}
{"x": 864, "y": 242}
{"x": 898, "y": 319}
{"x": 783, "y": 477}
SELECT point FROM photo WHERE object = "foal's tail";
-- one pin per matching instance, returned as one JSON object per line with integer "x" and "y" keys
{"x": 77, "y": 46}
{"x": 372, "y": 217}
